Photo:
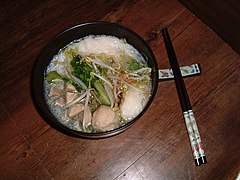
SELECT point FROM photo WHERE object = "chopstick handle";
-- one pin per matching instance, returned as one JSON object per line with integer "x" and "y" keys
{"x": 194, "y": 137}
{"x": 193, "y": 133}
{"x": 197, "y": 136}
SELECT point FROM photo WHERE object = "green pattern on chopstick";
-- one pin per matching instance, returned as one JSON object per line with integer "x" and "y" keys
{"x": 193, "y": 134}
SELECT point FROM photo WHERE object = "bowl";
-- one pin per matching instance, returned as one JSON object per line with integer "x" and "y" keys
{"x": 77, "y": 32}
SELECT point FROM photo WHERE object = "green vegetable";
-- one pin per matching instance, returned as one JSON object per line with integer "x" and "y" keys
{"x": 81, "y": 70}
{"x": 122, "y": 121}
{"x": 103, "y": 97}
{"x": 133, "y": 64}
{"x": 89, "y": 129}
{"x": 53, "y": 75}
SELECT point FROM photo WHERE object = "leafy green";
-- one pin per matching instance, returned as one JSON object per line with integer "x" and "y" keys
{"x": 103, "y": 97}
{"x": 133, "y": 64}
{"x": 53, "y": 75}
{"x": 122, "y": 121}
{"x": 81, "y": 70}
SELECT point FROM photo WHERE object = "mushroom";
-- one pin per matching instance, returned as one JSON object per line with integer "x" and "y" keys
{"x": 105, "y": 119}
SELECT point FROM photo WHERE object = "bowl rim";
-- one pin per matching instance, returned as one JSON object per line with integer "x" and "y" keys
{"x": 57, "y": 124}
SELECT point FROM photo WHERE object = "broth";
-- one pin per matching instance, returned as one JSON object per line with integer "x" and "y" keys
{"x": 97, "y": 83}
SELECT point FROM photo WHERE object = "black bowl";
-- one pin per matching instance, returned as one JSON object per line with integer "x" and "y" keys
{"x": 77, "y": 32}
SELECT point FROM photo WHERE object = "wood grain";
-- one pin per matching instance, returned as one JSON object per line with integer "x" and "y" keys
{"x": 156, "y": 146}
{"x": 223, "y": 16}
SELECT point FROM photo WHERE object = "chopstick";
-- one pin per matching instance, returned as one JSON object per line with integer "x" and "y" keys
{"x": 191, "y": 125}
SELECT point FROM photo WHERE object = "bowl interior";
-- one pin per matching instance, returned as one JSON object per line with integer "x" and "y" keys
{"x": 77, "y": 32}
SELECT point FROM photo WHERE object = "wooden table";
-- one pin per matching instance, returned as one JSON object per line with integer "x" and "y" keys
{"x": 156, "y": 146}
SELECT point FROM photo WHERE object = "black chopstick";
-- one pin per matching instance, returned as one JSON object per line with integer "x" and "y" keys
{"x": 191, "y": 125}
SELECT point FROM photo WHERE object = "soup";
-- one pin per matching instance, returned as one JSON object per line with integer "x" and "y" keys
{"x": 97, "y": 83}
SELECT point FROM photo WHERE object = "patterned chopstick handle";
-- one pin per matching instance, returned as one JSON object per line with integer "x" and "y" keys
{"x": 196, "y": 132}
{"x": 194, "y": 137}
{"x": 167, "y": 74}
{"x": 191, "y": 135}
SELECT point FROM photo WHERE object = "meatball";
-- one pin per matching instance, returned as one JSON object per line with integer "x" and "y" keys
{"x": 105, "y": 119}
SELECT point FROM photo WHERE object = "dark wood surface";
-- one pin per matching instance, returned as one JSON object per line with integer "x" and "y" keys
{"x": 156, "y": 146}
{"x": 223, "y": 16}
